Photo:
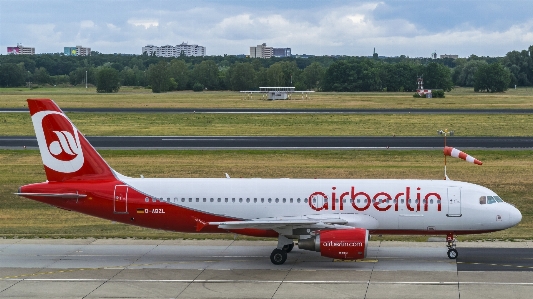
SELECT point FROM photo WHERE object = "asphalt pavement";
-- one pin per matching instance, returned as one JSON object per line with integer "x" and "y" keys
{"x": 283, "y": 142}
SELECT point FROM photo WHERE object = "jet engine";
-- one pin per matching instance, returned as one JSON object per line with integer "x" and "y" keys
{"x": 346, "y": 244}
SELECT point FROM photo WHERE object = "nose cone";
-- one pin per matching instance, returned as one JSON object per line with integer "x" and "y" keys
{"x": 514, "y": 216}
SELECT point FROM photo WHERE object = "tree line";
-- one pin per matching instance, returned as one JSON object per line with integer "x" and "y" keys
{"x": 321, "y": 73}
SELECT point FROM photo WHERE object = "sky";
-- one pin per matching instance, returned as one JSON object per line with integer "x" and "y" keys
{"x": 354, "y": 28}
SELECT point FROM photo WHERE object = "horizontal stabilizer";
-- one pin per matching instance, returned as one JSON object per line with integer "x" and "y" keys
{"x": 59, "y": 195}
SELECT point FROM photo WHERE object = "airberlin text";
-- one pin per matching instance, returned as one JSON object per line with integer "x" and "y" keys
{"x": 381, "y": 201}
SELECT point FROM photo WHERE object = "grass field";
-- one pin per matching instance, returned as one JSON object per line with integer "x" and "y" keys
{"x": 508, "y": 173}
{"x": 157, "y": 124}
{"x": 459, "y": 98}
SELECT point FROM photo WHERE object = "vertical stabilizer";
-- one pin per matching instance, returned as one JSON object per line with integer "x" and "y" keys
{"x": 66, "y": 154}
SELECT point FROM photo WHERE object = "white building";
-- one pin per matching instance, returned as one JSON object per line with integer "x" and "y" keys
{"x": 261, "y": 51}
{"x": 174, "y": 51}
{"x": 21, "y": 50}
{"x": 76, "y": 51}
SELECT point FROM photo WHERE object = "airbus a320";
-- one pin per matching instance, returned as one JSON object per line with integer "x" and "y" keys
{"x": 332, "y": 216}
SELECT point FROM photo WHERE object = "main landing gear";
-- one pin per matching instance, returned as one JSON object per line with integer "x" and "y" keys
{"x": 279, "y": 255}
{"x": 451, "y": 243}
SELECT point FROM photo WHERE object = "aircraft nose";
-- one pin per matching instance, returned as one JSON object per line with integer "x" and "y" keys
{"x": 514, "y": 216}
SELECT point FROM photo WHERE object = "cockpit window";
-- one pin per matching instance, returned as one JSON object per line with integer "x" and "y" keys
{"x": 489, "y": 200}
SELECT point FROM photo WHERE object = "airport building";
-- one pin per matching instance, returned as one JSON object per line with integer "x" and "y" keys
{"x": 262, "y": 51}
{"x": 76, "y": 51}
{"x": 174, "y": 51}
{"x": 20, "y": 50}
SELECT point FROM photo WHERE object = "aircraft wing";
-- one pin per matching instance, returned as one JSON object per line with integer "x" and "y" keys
{"x": 308, "y": 221}
{"x": 266, "y": 224}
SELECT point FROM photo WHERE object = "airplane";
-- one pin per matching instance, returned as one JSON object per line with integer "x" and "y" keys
{"x": 332, "y": 216}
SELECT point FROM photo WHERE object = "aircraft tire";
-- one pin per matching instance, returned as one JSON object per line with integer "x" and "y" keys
{"x": 452, "y": 253}
{"x": 278, "y": 256}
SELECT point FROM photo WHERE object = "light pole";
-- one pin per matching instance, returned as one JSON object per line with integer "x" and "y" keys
{"x": 85, "y": 79}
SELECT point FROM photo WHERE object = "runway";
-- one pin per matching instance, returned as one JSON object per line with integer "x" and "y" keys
{"x": 124, "y": 268}
{"x": 282, "y": 142}
{"x": 284, "y": 111}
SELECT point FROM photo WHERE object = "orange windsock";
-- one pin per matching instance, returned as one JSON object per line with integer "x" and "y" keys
{"x": 453, "y": 152}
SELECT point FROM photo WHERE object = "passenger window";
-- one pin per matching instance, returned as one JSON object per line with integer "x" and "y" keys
{"x": 284, "y": 200}
{"x": 146, "y": 199}
{"x": 291, "y": 200}
{"x": 255, "y": 200}
{"x": 219, "y": 199}
{"x": 247, "y": 200}
{"x": 431, "y": 201}
{"x": 483, "y": 200}
{"x": 182, "y": 199}
{"x": 344, "y": 200}
{"x": 305, "y": 200}
{"x": 240, "y": 199}
{"x": 262, "y": 200}
{"x": 197, "y": 199}
{"x": 298, "y": 200}
{"x": 190, "y": 199}
{"x": 232, "y": 199}
{"x": 270, "y": 200}
{"x": 277, "y": 200}
{"x": 205, "y": 199}
{"x": 212, "y": 200}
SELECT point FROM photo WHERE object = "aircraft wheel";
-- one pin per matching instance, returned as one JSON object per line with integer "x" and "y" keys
{"x": 278, "y": 256}
{"x": 452, "y": 253}
{"x": 288, "y": 248}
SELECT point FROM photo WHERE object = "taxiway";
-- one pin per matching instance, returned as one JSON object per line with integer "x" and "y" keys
{"x": 106, "y": 268}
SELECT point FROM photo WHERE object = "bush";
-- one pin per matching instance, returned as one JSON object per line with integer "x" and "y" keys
{"x": 198, "y": 87}
{"x": 439, "y": 93}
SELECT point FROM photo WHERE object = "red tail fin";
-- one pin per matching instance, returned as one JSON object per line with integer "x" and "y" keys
{"x": 66, "y": 154}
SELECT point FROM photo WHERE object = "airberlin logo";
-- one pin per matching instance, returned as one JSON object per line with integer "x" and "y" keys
{"x": 59, "y": 142}
{"x": 342, "y": 244}
{"x": 381, "y": 201}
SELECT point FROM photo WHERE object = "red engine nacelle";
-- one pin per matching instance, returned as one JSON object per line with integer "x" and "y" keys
{"x": 346, "y": 244}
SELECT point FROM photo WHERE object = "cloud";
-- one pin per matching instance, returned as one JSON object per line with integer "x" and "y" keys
{"x": 144, "y": 23}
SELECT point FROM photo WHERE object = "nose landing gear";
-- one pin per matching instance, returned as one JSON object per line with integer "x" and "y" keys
{"x": 451, "y": 243}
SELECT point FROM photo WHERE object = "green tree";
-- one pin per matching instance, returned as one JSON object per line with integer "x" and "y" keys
{"x": 79, "y": 75}
{"x": 206, "y": 73}
{"x": 12, "y": 75}
{"x": 41, "y": 76}
{"x": 127, "y": 77}
{"x": 466, "y": 72}
{"x": 179, "y": 71}
{"x": 241, "y": 76}
{"x": 399, "y": 76}
{"x": 437, "y": 76}
{"x": 492, "y": 78}
{"x": 313, "y": 75}
{"x": 275, "y": 75}
{"x": 158, "y": 77}
{"x": 353, "y": 74}
{"x": 107, "y": 80}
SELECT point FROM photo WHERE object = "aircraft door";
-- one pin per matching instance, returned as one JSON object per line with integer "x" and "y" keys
{"x": 454, "y": 202}
{"x": 120, "y": 200}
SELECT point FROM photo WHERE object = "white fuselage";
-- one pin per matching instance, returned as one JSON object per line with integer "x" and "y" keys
{"x": 387, "y": 205}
